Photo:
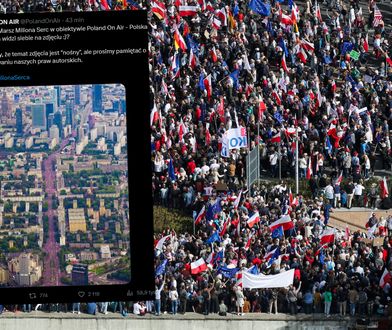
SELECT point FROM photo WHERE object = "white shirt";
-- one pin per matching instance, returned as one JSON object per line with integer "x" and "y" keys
{"x": 358, "y": 189}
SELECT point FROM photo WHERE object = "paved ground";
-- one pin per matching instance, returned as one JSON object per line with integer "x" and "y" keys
{"x": 187, "y": 316}
{"x": 355, "y": 218}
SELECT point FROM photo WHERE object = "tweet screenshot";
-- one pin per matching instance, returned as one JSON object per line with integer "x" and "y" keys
{"x": 75, "y": 207}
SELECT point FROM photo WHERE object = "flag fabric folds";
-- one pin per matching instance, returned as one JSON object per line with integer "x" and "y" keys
{"x": 198, "y": 266}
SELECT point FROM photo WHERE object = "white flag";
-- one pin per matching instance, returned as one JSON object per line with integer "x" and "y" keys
{"x": 281, "y": 280}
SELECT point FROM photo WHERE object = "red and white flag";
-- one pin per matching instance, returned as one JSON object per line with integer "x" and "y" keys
{"x": 327, "y": 236}
{"x": 159, "y": 9}
{"x": 386, "y": 277}
{"x": 192, "y": 59}
{"x": 339, "y": 179}
{"x": 302, "y": 55}
{"x": 262, "y": 108}
{"x": 210, "y": 7}
{"x": 237, "y": 200}
{"x": 247, "y": 245}
{"x": 388, "y": 59}
{"x": 216, "y": 23}
{"x": 187, "y": 10}
{"x": 198, "y": 266}
{"x": 214, "y": 55}
{"x": 161, "y": 242}
{"x": 221, "y": 13}
{"x": 254, "y": 219}
{"x": 276, "y": 138}
{"x": 285, "y": 19}
{"x": 284, "y": 221}
{"x": 238, "y": 277}
{"x": 284, "y": 64}
{"x": 154, "y": 116}
{"x": 309, "y": 170}
{"x": 383, "y": 188}
{"x": 366, "y": 43}
{"x": 309, "y": 46}
{"x": 377, "y": 16}
{"x": 277, "y": 98}
{"x": 201, "y": 215}
{"x": 208, "y": 86}
{"x": 318, "y": 12}
{"x": 179, "y": 41}
{"x": 347, "y": 233}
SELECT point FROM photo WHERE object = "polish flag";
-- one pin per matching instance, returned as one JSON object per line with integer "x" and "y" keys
{"x": 318, "y": 12}
{"x": 224, "y": 228}
{"x": 290, "y": 131}
{"x": 388, "y": 59}
{"x": 208, "y": 86}
{"x": 276, "y": 138}
{"x": 179, "y": 41}
{"x": 159, "y": 9}
{"x": 309, "y": 171}
{"x": 210, "y": 7}
{"x": 216, "y": 23}
{"x": 262, "y": 108}
{"x": 160, "y": 243}
{"x": 277, "y": 98}
{"x": 200, "y": 215}
{"x": 309, "y": 46}
{"x": 327, "y": 236}
{"x": 198, "y": 266}
{"x": 192, "y": 59}
{"x": 295, "y": 14}
{"x": 383, "y": 188}
{"x": 333, "y": 86}
{"x": 332, "y": 130}
{"x": 154, "y": 116}
{"x": 187, "y": 10}
{"x": 285, "y": 221}
{"x": 285, "y": 19}
{"x": 221, "y": 13}
{"x": 247, "y": 245}
{"x": 254, "y": 219}
{"x": 238, "y": 277}
{"x": 339, "y": 179}
{"x": 214, "y": 55}
{"x": 386, "y": 277}
{"x": 366, "y": 43}
{"x": 347, "y": 233}
{"x": 210, "y": 258}
{"x": 237, "y": 200}
{"x": 284, "y": 64}
{"x": 302, "y": 56}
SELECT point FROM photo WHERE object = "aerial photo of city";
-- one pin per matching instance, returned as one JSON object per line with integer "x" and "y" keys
{"x": 64, "y": 216}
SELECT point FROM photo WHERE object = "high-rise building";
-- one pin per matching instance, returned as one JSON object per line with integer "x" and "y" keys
{"x": 97, "y": 98}
{"x": 5, "y": 106}
{"x": 77, "y": 94}
{"x": 58, "y": 121}
{"x": 49, "y": 108}
{"x": 54, "y": 133}
{"x": 69, "y": 118}
{"x": 58, "y": 95}
{"x": 79, "y": 274}
{"x": 19, "y": 121}
{"x": 38, "y": 114}
{"x": 50, "y": 120}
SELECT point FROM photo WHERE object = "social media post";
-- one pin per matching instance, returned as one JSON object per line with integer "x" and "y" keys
{"x": 71, "y": 197}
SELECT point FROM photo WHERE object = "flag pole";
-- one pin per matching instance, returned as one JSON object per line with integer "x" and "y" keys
{"x": 280, "y": 161}
{"x": 258, "y": 153}
{"x": 296, "y": 159}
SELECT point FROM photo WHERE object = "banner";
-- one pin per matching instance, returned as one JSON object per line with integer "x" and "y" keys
{"x": 281, "y": 280}
{"x": 225, "y": 146}
{"x": 236, "y": 138}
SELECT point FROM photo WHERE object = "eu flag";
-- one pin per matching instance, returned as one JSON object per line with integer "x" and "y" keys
{"x": 254, "y": 270}
{"x": 228, "y": 272}
{"x": 170, "y": 169}
{"x": 260, "y": 7}
{"x": 278, "y": 232}
{"x": 213, "y": 238}
{"x": 161, "y": 269}
{"x": 234, "y": 77}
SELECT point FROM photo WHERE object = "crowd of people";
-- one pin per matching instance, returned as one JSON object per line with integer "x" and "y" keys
{"x": 319, "y": 71}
